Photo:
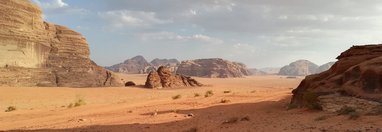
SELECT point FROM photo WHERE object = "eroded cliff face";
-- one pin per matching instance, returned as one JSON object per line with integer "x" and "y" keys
{"x": 37, "y": 53}
{"x": 357, "y": 73}
{"x": 212, "y": 68}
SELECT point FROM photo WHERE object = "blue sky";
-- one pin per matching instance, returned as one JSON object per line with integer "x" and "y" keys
{"x": 259, "y": 33}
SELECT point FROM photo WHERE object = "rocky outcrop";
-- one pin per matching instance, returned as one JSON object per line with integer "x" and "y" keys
{"x": 256, "y": 72}
{"x": 164, "y": 78}
{"x": 357, "y": 73}
{"x": 135, "y": 65}
{"x": 213, "y": 68}
{"x": 170, "y": 63}
{"x": 299, "y": 68}
{"x": 325, "y": 67}
{"x": 37, "y": 53}
{"x": 270, "y": 70}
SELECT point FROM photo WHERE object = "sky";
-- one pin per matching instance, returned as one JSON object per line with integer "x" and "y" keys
{"x": 258, "y": 33}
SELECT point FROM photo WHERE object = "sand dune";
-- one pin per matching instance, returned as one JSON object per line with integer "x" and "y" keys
{"x": 255, "y": 104}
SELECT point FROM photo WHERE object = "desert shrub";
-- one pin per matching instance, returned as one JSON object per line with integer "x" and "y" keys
{"x": 312, "y": 100}
{"x": 209, "y": 93}
{"x": 196, "y": 94}
{"x": 253, "y": 91}
{"x": 354, "y": 115}
{"x": 10, "y": 108}
{"x": 77, "y": 103}
{"x": 225, "y": 101}
{"x": 228, "y": 91}
{"x": 346, "y": 110}
{"x": 177, "y": 97}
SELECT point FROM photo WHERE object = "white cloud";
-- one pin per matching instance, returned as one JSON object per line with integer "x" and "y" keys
{"x": 51, "y": 4}
{"x": 127, "y": 18}
{"x": 171, "y": 36}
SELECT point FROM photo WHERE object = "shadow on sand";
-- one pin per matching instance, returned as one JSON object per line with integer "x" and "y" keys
{"x": 212, "y": 118}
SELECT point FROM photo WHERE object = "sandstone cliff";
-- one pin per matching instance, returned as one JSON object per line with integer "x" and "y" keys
{"x": 135, "y": 65}
{"x": 299, "y": 68}
{"x": 37, "y": 53}
{"x": 214, "y": 68}
{"x": 356, "y": 78}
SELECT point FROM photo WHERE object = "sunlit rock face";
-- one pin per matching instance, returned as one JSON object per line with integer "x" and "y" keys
{"x": 37, "y": 53}
{"x": 357, "y": 73}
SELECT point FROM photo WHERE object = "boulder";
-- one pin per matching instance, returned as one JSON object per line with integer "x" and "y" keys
{"x": 212, "y": 68}
{"x": 130, "y": 83}
{"x": 37, "y": 53}
{"x": 357, "y": 73}
{"x": 164, "y": 78}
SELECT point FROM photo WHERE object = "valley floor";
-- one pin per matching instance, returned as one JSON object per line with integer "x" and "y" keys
{"x": 257, "y": 103}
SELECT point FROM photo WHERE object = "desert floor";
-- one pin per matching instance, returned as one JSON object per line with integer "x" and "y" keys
{"x": 256, "y": 103}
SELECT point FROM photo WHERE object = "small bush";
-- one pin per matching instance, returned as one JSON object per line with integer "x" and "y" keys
{"x": 10, "y": 108}
{"x": 231, "y": 120}
{"x": 176, "y": 97}
{"x": 196, "y": 94}
{"x": 225, "y": 101}
{"x": 209, "y": 93}
{"x": 354, "y": 115}
{"x": 346, "y": 110}
{"x": 254, "y": 91}
{"x": 77, "y": 103}
{"x": 227, "y": 92}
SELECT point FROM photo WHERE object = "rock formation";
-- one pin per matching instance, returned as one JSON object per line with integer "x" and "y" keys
{"x": 325, "y": 67}
{"x": 135, "y": 65}
{"x": 164, "y": 78}
{"x": 171, "y": 63}
{"x": 356, "y": 74}
{"x": 299, "y": 68}
{"x": 270, "y": 70}
{"x": 214, "y": 68}
{"x": 256, "y": 72}
{"x": 37, "y": 53}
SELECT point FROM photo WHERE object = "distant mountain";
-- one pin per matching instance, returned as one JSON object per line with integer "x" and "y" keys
{"x": 299, "y": 68}
{"x": 135, "y": 65}
{"x": 325, "y": 67}
{"x": 212, "y": 68}
{"x": 270, "y": 70}
{"x": 256, "y": 72}
{"x": 171, "y": 64}
{"x": 164, "y": 62}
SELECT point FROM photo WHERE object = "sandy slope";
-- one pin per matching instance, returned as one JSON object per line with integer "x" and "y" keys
{"x": 259, "y": 101}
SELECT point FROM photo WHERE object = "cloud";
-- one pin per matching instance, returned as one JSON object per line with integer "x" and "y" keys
{"x": 174, "y": 37}
{"x": 51, "y": 4}
{"x": 127, "y": 18}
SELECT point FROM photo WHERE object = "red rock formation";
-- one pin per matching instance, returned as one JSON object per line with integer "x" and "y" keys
{"x": 164, "y": 78}
{"x": 37, "y": 53}
{"x": 213, "y": 68}
{"x": 357, "y": 73}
